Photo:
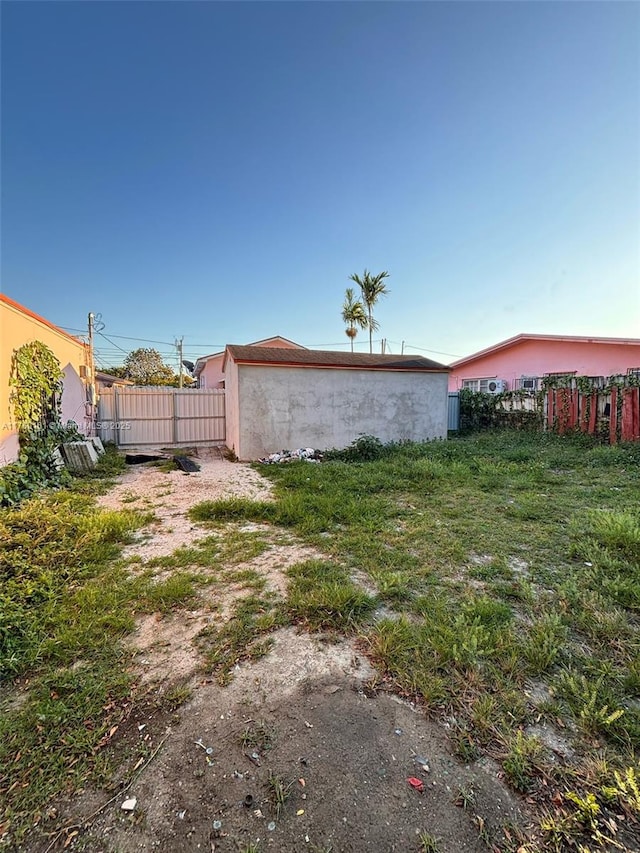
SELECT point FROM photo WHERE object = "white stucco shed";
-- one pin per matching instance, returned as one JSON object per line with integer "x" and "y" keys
{"x": 284, "y": 399}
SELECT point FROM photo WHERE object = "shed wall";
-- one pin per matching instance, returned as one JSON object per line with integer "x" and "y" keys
{"x": 289, "y": 407}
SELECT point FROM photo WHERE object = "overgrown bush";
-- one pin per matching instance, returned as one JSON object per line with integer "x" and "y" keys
{"x": 364, "y": 448}
{"x": 480, "y": 411}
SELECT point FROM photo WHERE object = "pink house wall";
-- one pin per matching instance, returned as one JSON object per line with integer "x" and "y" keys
{"x": 536, "y": 357}
{"x": 211, "y": 375}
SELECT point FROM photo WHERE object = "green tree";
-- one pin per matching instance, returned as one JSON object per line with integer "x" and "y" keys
{"x": 353, "y": 314}
{"x": 372, "y": 287}
{"x": 145, "y": 366}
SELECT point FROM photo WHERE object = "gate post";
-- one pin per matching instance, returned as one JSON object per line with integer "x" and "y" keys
{"x": 175, "y": 416}
{"x": 116, "y": 416}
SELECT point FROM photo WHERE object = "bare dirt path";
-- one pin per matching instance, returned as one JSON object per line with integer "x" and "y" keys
{"x": 297, "y": 753}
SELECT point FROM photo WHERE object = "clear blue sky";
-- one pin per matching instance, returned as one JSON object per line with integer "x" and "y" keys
{"x": 217, "y": 170}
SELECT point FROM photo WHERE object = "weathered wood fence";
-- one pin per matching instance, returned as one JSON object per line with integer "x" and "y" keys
{"x": 610, "y": 412}
{"x": 615, "y": 412}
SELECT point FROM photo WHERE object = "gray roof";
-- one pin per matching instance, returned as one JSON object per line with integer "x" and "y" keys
{"x": 327, "y": 358}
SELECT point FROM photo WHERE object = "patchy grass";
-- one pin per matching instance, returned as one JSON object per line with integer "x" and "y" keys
{"x": 493, "y": 564}
{"x": 66, "y": 602}
{"x": 502, "y": 558}
{"x": 243, "y": 637}
{"x": 322, "y": 595}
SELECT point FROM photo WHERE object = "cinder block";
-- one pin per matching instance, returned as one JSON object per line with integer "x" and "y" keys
{"x": 80, "y": 455}
{"x": 97, "y": 443}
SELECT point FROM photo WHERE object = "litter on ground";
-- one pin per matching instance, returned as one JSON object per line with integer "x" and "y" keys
{"x": 308, "y": 454}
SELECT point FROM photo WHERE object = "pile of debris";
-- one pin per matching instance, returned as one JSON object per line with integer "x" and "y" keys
{"x": 308, "y": 454}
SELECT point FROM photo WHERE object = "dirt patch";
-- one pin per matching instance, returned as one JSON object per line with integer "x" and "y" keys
{"x": 163, "y": 647}
{"x": 341, "y": 755}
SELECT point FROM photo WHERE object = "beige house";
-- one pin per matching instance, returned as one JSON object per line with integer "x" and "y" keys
{"x": 279, "y": 398}
{"x": 208, "y": 370}
{"x": 20, "y": 326}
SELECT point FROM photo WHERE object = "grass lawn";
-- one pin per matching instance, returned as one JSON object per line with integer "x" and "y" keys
{"x": 503, "y": 576}
{"x": 493, "y": 579}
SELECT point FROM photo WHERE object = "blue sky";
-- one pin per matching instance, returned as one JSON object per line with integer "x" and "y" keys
{"x": 217, "y": 170}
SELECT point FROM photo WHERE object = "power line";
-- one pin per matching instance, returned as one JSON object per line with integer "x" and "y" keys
{"x": 422, "y": 349}
{"x": 102, "y": 335}
{"x": 213, "y": 347}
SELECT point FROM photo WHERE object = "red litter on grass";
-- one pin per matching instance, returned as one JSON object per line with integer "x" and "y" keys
{"x": 416, "y": 783}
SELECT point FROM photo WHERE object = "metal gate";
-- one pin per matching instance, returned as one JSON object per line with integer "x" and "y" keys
{"x": 161, "y": 416}
{"x": 453, "y": 412}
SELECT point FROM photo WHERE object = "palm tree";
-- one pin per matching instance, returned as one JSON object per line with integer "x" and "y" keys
{"x": 354, "y": 314}
{"x": 372, "y": 288}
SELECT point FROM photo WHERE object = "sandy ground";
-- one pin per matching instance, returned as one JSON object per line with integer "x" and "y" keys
{"x": 342, "y": 752}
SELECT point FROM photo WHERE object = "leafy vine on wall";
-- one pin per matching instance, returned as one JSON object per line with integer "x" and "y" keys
{"x": 36, "y": 392}
{"x": 36, "y": 380}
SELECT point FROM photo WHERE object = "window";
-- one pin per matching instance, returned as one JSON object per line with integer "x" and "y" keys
{"x": 596, "y": 382}
{"x": 485, "y": 386}
{"x": 528, "y": 383}
{"x": 634, "y": 371}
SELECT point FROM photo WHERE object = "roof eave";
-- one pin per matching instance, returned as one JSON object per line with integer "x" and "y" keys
{"x": 523, "y": 336}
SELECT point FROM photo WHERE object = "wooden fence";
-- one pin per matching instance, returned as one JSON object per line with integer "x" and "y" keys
{"x": 611, "y": 412}
{"x": 615, "y": 413}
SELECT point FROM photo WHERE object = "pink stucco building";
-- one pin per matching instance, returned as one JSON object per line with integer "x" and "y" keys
{"x": 522, "y": 361}
{"x": 208, "y": 369}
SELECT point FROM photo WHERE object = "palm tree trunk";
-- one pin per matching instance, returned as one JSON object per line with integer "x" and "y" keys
{"x": 370, "y": 333}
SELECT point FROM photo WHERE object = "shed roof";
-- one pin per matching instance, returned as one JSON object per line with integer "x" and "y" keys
{"x": 108, "y": 378}
{"x": 203, "y": 359}
{"x": 523, "y": 336}
{"x": 326, "y": 358}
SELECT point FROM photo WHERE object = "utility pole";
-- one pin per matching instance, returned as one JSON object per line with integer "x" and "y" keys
{"x": 402, "y": 350}
{"x": 179, "y": 348}
{"x": 91, "y": 318}
{"x": 91, "y": 378}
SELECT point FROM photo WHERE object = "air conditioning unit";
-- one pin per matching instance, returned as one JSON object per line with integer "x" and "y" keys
{"x": 529, "y": 383}
{"x": 496, "y": 386}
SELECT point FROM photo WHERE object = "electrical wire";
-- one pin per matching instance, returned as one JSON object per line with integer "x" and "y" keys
{"x": 213, "y": 347}
{"x": 102, "y": 335}
{"x": 422, "y": 349}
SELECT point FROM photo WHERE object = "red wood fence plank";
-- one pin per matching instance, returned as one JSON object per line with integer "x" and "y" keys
{"x": 630, "y": 414}
{"x": 593, "y": 414}
{"x": 564, "y": 409}
{"x": 573, "y": 419}
{"x": 613, "y": 418}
